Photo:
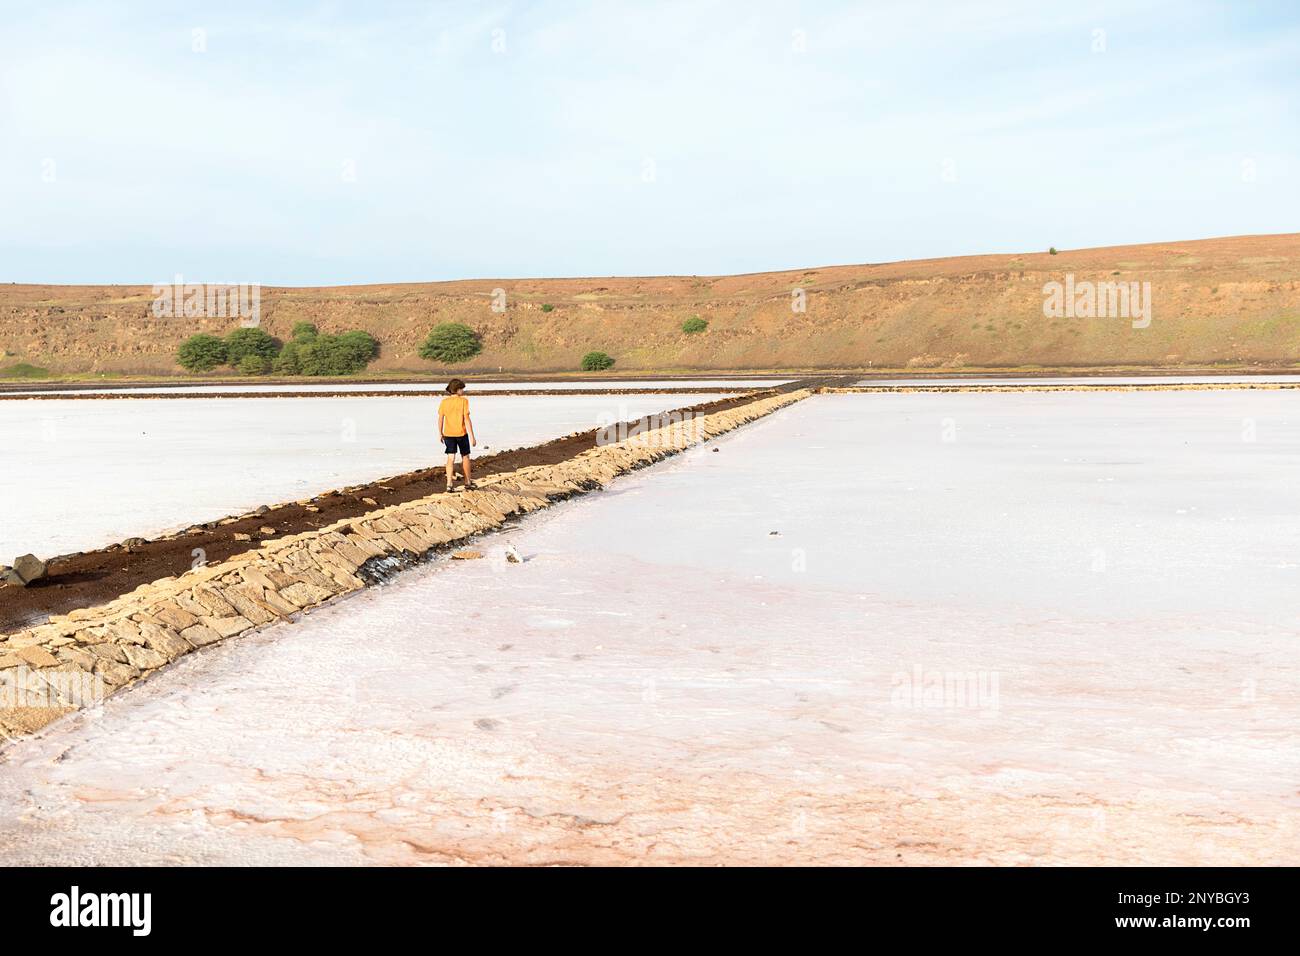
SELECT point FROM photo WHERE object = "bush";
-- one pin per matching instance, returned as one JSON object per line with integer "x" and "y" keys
{"x": 548, "y": 307}
{"x": 304, "y": 331}
{"x": 287, "y": 362}
{"x": 451, "y": 342}
{"x": 202, "y": 353}
{"x": 694, "y": 324}
{"x": 319, "y": 357}
{"x": 243, "y": 342}
{"x": 360, "y": 346}
{"x": 596, "y": 362}
{"x": 331, "y": 355}
{"x": 24, "y": 370}
{"x": 253, "y": 364}
{"x": 1051, "y": 250}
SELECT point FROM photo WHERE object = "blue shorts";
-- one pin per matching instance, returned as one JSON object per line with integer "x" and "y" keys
{"x": 460, "y": 442}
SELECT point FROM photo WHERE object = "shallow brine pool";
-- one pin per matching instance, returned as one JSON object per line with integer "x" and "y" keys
{"x": 1094, "y": 380}
{"x": 79, "y": 475}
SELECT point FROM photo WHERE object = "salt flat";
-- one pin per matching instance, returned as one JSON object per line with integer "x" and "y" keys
{"x": 79, "y": 474}
{"x": 989, "y": 628}
{"x": 1088, "y": 380}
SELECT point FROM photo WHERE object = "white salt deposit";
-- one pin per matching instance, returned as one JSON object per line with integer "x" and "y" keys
{"x": 79, "y": 475}
{"x": 989, "y": 628}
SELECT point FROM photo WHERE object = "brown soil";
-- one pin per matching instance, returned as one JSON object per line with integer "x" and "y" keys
{"x": 96, "y": 577}
{"x": 1231, "y": 301}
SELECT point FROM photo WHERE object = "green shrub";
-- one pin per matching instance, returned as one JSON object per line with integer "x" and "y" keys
{"x": 253, "y": 364}
{"x": 1051, "y": 250}
{"x": 548, "y": 307}
{"x": 334, "y": 355}
{"x": 202, "y": 353}
{"x": 24, "y": 370}
{"x": 327, "y": 354}
{"x": 287, "y": 362}
{"x": 596, "y": 362}
{"x": 243, "y": 342}
{"x": 304, "y": 332}
{"x": 694, "y": 325}
{"x": 451, "y": 342}
{"x": 360, "y": 346}
{"x": 318, "y": 357}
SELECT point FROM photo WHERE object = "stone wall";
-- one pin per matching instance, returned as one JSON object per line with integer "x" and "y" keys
{"x": 52, "y": 669}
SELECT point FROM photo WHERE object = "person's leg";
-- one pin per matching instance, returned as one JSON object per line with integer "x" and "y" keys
{"x": 451, "y": 470}
{"x": 464, "y": 463}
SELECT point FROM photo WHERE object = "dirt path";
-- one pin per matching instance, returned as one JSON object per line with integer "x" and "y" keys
{"x": 96, "y": 577}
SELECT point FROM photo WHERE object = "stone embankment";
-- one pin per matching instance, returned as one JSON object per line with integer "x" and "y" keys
{"x": 75, "y": 659}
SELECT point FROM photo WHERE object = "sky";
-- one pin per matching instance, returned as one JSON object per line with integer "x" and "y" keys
{"x": 342, "y": 143}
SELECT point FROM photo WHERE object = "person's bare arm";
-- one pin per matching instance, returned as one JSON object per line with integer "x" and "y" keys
{"x": 440, "y": 418}
{"x": 469, "y": 427}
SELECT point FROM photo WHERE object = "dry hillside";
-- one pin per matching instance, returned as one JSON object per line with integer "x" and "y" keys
{"x": 1233, "y": 301}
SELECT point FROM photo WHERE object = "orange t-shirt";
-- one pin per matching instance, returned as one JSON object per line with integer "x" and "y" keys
{"x": 454, "y": 410}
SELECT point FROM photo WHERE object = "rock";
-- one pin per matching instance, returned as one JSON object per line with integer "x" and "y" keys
{"x": 261, "y": 510}
{"x": 369, "y": 501}
{"x": 109, "y": 652}
{"x": 164, "y": 640}
{"x": 216, "y": 605}
{"x": 134, "y": 544}
{"x": 305, "y": 595}
{"x": 143, "y": 658}
{"x": 174, "y": 616}
{"x": 38, "y": 657}
{"x": 466, "y": 555}
{"x": 227, "y": 626}
{"x": 266, "y": 530}
{"x": 240, "y": 536}
{"x": 20, "y": 721}
{"x": 284, "y": 608}
{"x": 124, "y": 632}
{"x": 116, "y": 674}
{"x": 774, "y": 534}
{"x": 512, "y": 555}
{"x": 198, "y": 635}
{"x": 26, "y": 569}
{"x": 78, "y": 657}
{"x": 242, "y": 598}
{"x": 312, "y": 508}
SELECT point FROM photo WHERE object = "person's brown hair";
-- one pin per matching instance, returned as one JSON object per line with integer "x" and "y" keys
{"x": 455, "y": 386}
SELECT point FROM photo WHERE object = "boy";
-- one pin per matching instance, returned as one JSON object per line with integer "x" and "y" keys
{"x": 456, "y": 430}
